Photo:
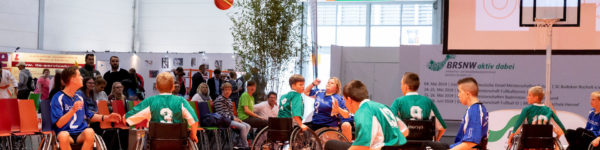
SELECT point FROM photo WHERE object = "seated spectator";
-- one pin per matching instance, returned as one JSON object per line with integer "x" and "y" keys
{"x": 116, "y": 94}
{"x": 99, "y": 93}
{"x": 203, "y": 93}
{"x": 224, "y": 107}
{"x": 88, "y": 95}
{"x": 177, "y": 89}
{"x": 267, "y": 108}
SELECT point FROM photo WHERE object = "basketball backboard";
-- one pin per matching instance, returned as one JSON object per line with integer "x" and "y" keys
{"x": 567, "y": 11}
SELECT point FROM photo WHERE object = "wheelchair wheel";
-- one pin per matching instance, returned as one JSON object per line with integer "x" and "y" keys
{"x": 260, "y": 140}
{"x": 99, "y": 144}
{"x": 305, "y": 140}
{"x": 326, "y": 134}
{"x": 515, "y": 143}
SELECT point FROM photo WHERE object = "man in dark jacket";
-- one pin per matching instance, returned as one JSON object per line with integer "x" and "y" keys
{"x": 115, "y": 74}
{"x": 215, "y": 83}
{"x": 197, "y": 78}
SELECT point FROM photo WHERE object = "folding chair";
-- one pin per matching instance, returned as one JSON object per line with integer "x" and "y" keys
{"x": 5, "y": 126}
{"x": 10, "y": 106}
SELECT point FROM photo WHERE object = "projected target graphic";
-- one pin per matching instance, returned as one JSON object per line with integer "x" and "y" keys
{"x": 497, "y": 15}
{"x": 500, "y": 9}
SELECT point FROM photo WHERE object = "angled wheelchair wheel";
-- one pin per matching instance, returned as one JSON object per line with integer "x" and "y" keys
{"x": 305, "y": 140}
{"x": 260, "y": 140}
{"x": 514, "y": 143}
{"x": 326, "y": 134}
{"x": 99, "y": 144}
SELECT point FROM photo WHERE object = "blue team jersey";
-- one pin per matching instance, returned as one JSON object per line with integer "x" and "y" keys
{"x": 593, "y": 123}
{"x": 323, "y": 107}
{"x": 60, "y": 104}
{"x": 474, "y": 125}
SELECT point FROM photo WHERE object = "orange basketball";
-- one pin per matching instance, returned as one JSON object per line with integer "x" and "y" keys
{"x": 224, "y": 4}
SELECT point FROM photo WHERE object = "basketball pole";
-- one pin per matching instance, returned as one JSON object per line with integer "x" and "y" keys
{"x": 548, "y": 68}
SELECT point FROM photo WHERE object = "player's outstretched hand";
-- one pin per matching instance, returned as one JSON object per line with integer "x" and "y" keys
{"x": 114, "y": 117}
{"x": 335, "y": 108}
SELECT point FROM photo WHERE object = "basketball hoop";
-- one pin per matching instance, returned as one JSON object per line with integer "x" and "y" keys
{"x": 544, "y": 26}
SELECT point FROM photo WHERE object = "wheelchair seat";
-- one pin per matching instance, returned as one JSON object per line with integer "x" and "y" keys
{"x": 279, "y": 129}
{"x": 536, "y": 136}
{"x": 421, "y": 129}
{"x": 168, "y": 136}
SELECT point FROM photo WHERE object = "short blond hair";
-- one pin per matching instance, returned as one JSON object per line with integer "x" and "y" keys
{"x": 338, "y": 84}
{"x": 595, "y": 94}
{"x": 537, "y": 91}
{"x": 226, "y": 85}
{"x": 165, "y": 82}
{"x": 199, "y": 89}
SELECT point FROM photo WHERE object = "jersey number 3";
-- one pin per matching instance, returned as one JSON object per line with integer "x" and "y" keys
{"x": 167, "y": 115}
{"x": 390, "y": 117}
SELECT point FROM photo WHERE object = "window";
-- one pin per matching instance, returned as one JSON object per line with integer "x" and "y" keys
{"x": 390, "y": 23}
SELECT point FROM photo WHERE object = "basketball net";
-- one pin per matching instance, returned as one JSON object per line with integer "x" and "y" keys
{"x": 544, "y": 29}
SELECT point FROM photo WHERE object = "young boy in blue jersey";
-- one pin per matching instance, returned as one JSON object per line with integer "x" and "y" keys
{"x": 581, "y": 138}
{"x": 376, "y": 126}
{"x": 330, "y": 109}
{"x": 412, "y": 106}
{"x": 69, "y": 116}
{"x": 474, "y": 126}
{"x": 291, "y": 104}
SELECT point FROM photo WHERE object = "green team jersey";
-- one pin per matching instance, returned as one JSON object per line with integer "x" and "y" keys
{"x": 163, "y": 109}
{"x": 538, "y": 114}
{"x": 416, "y": 107}
{"x": 245, "y": 100}
{"x": 376, "y": 126}
{"x": 291, "y": 105}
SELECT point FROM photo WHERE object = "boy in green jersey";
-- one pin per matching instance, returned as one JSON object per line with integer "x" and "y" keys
{"x": 375, "y": 124}
{"x": 164, "y": 108}
{"x": 537, "y": 113}
{"x": 291, "y": 104}
{"x": 413, "y": 106}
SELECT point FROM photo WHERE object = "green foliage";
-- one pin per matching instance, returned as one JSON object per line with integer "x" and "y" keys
{"x": 267, "y": 38}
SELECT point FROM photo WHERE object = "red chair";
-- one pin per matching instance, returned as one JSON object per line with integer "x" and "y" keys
{"x": 10, "y": 106}
{"x": 103, "y": 110}
{"x": 28, "y": 118}
{"x": 5, "y": 126}
{"x": 119, "y": 108}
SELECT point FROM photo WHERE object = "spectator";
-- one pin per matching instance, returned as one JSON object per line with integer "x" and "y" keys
{"x": 25, "y": 81}
{"x": 198, "y": 78}
{"x": 215, "y": 82}
{"x": 43, "y": 84}
{"x": 89, "y": 69}
{"x": 179, "y": 73}
{"x": 224, "y": 107}
{"x": 267, "y": 108}
{"x": 57, "y": 85}
{"x": 140, "y": 82}
{"x": 87, "y": 93}
{"x": 116, "y": 74}
{"x": 116, "y": 94}
{"x": 99, "y": 93}
{"x": 235, "y": 95}
{"x": 246, "y": 108}
{"x": 203, "y": 93}
{"x": 176, "y": 89}
{"x": 6, "y": 81}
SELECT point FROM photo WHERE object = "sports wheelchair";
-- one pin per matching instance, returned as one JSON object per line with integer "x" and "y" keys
{"x": 535, "y": 137}
{"x": 281, "y": 134}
